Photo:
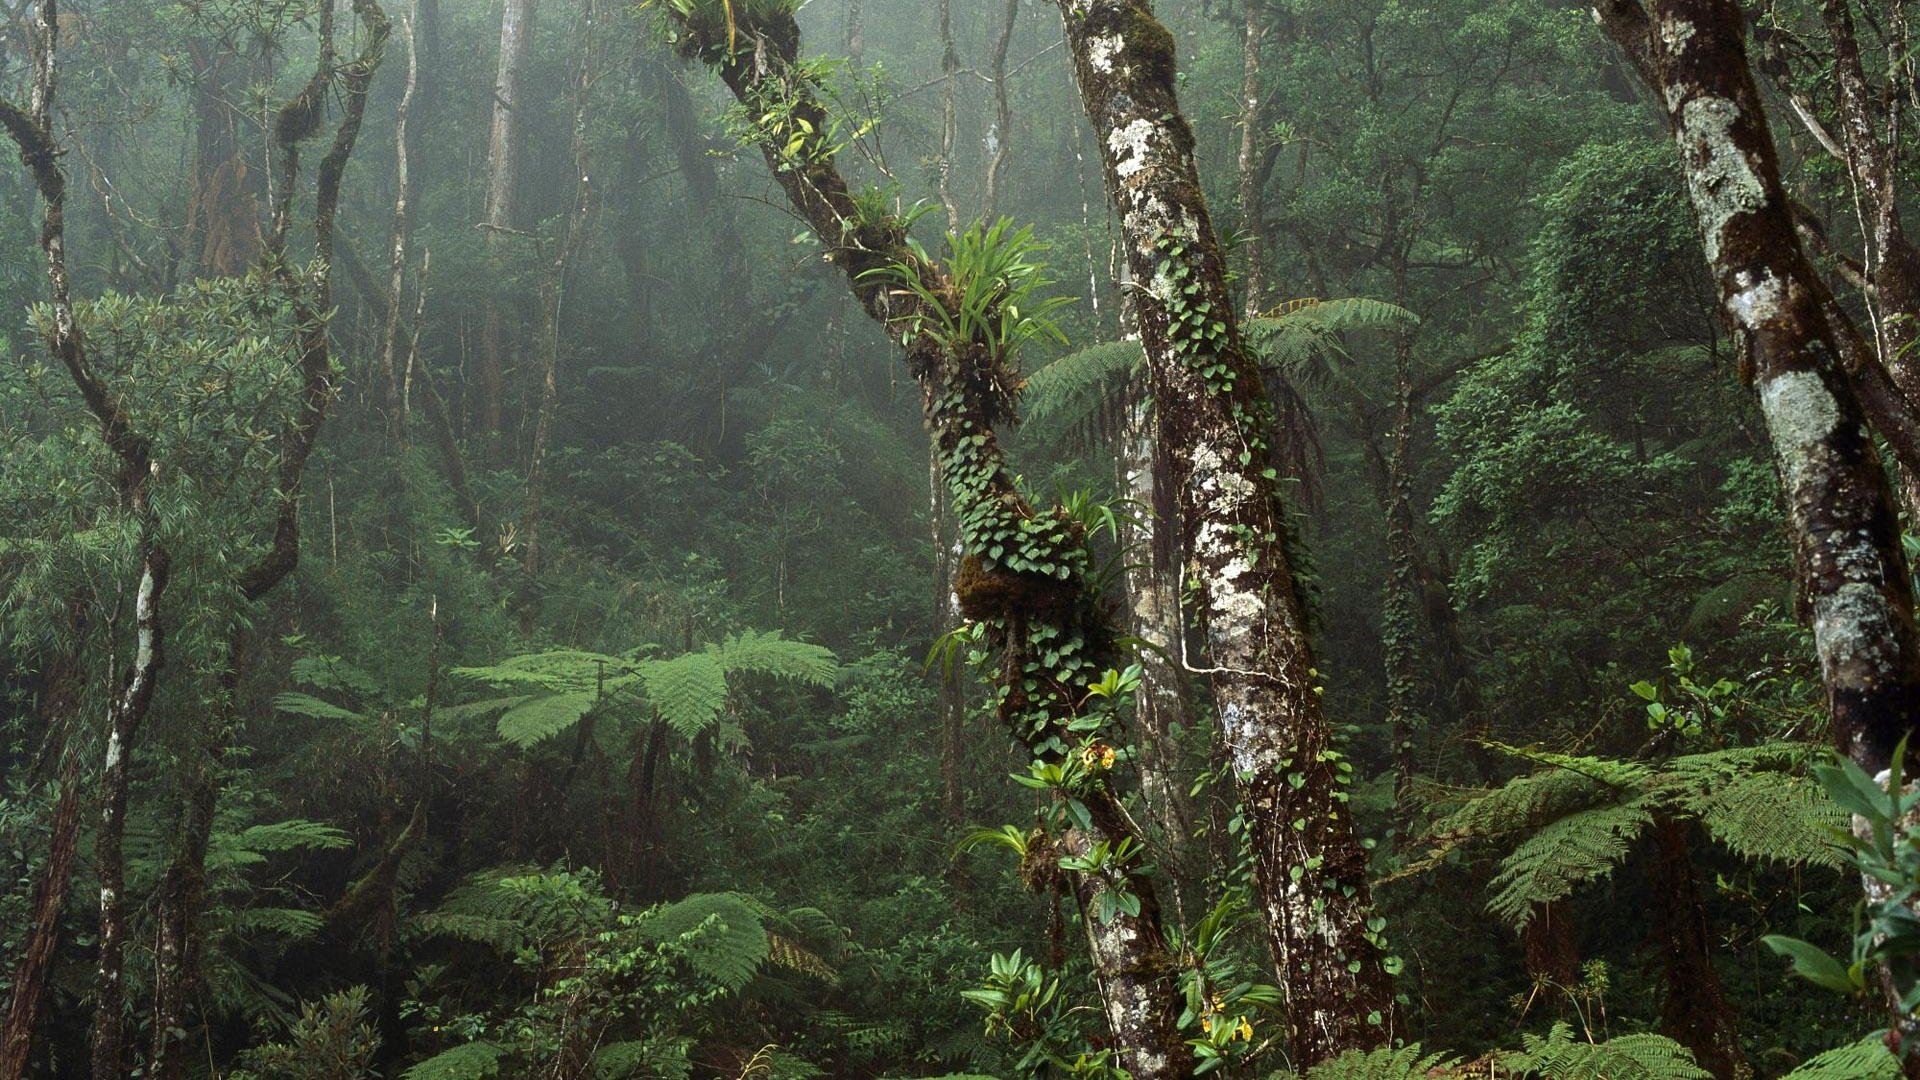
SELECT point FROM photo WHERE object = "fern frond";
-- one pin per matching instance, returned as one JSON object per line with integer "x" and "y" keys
{"x": 728, "y": 950}
{"x": 474, "y": 1061}
{"x": 1407, "y": 1063}
{"x": 558, "y": 670}
{"x": 1867, "y": 1059}
{"x": 1565, "y": 853}
{"x": 291, "y": 923}
{"x": 479, "y": 708}
{"x": 226, "y": 850}
{"x": 307, "y": 705}
{"x": 540, "y": 718}
{"x": 1561, "y": 1056}
{"x": 1774, "y": 817}
{"x": 654, "y": 1059}
{"x": 687, "y": 691}
{"x": 1075, "y": 390}
{"x": 783, "y": 658}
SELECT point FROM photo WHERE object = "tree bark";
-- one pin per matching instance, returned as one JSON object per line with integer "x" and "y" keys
{"x": 57, "y": 709}
{"x": 1696, "y": 1012}
{"x": 503, "y": 179}
{"x": 1000, "y": 136}
{"x": 1853, "y": 574}
{"x": 1045, "y": 629}
{"x": 1216, "y": 427}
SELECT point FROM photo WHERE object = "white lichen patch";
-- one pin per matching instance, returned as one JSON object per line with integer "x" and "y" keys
{"x": 1104, "y": 52}
{"x": 1756, "y": 301}
{"x": 1801, "y": 416}
{"x": 1675, "y": 33}
{"x": 1721, "y": 181}
{"x": 1851, "y": 628}
{"x": 1129, "y": 146}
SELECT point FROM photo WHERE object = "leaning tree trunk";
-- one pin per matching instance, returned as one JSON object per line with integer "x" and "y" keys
{"x": 1216, "y": 430}
{"x": 1840, "y": 511}
{"x": 1046, "y": 628}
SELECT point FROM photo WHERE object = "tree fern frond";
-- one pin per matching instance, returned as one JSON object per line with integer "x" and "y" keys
{"x": 1407, "y": 1063}
{"x": 558, "y": 670}
{"x": 479, "y": 708}
{"x": 1867, "y": 1059}
{"x": 540, "y": 718}
{"x": 654, "y": 1059}
{"x": 226, "y": 850}
{"x": 474, "y": 1061}
{"x": 770, "y": 653}
{"x": 292, "y": 923}
{"x": 1566, "y": 852}
{"x": 687, "y": 691}
{"x": 729, "y": 949}
{"x": 1774, "y": 817}
{"x": 307, "y": 705}
{"x": 1561, "y": 1056}
{"x": 1075, "y": 390}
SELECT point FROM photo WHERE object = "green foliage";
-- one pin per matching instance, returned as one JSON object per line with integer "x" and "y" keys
{"x": 989, "y": 295}
{"x": 1406, "y": 1063}
{"x": 473, "y": 1061}
{"x": 332, "y": 1039}
{"x": 1561, "y": 1055}
{"x": 1867, "y": 1059}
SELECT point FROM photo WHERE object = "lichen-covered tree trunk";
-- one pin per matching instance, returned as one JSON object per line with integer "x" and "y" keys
{"x": 1163, "y": 704}
{"x": 1840, "y": 511}
{"x": 1215, "y": 430}
{"x": 1046, "y": 629}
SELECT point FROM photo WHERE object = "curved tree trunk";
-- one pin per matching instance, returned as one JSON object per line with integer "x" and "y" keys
{"x": 1216, "y": 430}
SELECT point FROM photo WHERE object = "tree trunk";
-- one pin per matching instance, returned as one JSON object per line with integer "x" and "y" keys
{"x": 503, "y": 180}
{"x": 1000, "y": 136}
{"x": 1216, "y": 430}
{"x": 400, "y": 239}
{"x": 1853, "y": 574}
{"x": 1251, "y": 196}
{"x": 1045, "y": 629}
{"x": 223, "y": 236}
{"x": 1696, "y": 1012}
{"x": 57, "y": 710}
{"x": 1163, "y": 706}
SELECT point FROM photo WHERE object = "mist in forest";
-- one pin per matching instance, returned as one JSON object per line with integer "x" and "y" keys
{"x": 1032, "y": 539}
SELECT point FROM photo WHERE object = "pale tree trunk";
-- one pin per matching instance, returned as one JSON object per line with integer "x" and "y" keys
{"x": 1853, "y": 574}
{"x": 1216, "y": 430}
{"x": 1147, "y": 537}
{"x": 503, "y": 180}
{"x": 400, "y": 238}
{"x": 952, "y": 706}
{"x": 1254, "y": 160}
{"x": 1029, "y": 617}
{"x": 949, "y": 114}
{"x": 1000, "y": 136}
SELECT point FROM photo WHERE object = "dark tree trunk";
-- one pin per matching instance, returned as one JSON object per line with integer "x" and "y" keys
{"x": 1216, "y": 428}
{"x": 1696, "y": 1012}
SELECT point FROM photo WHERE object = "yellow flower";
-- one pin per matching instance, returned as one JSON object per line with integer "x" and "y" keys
{"x": 1244, "y": 1031}
{"x": 1098, "y": 756}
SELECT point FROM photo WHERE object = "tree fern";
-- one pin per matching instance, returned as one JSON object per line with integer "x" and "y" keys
{"x": 474, "y": 1061}
{"x": 727, "y": 940}
{"x": 1560, "y": 1055}
{"x": 1867, "y": 1059}
{"x": 771, "y": 653}
{"x": 1566, "y": 853}
{"x": 299, "y": 704}
{"x": 1076, "y": 390}
{"x": 1407, "y": 1063}
{"x": 538, "y": 718}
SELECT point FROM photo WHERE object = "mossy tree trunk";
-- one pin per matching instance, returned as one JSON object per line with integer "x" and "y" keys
{"x": 1215, "y": 429}
{"x": 1045, "y": 627}
{"x": 1840, "y": 510}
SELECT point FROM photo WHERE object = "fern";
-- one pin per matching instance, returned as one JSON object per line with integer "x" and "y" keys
{"x": 1407, "y": 1063}
{"x": 781, "y": 657}
{"x": 1074, "y": 390}
{"x": 291, "y": 923}
{"x": 474, "y": 1061}
{"x": 1773, "y": 817}
{"x": 687, "y": 691}
{"x": 1568, "y": 852}
{"x": 1300, "y": 338}
{"x": 308, "y": 705}
{"x": 252, "y": 845}
{"x": 729, "y": 949}
{"x": 667, "y": 1059}
{"x": 1867, "y": 1059}
{"x": 1560, "y": 1056}
{"x": 537, "y": 719}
